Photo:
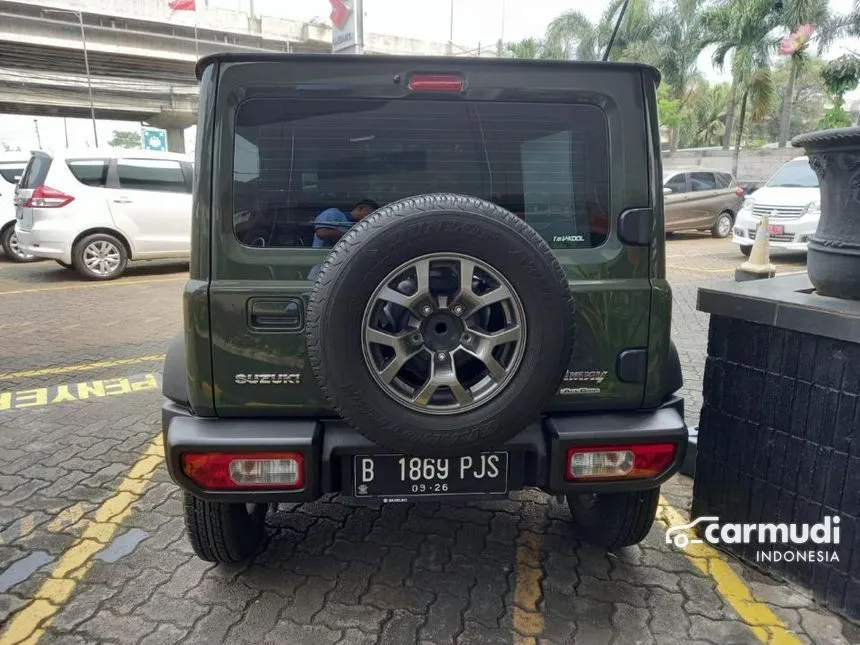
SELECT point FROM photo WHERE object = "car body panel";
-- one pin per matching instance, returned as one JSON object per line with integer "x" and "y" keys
{"x": 703, "y": 198}
{"x": 614, "y": 282}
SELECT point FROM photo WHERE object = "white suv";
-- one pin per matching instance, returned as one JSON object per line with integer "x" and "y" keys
{"x": 12, "y": 165}
{"x": 95, "y": 210}
{"x": 792, "y": 199}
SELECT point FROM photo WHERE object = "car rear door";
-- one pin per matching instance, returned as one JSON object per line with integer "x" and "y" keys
{"x": 552, "y": 144}
{"x": 705, "y": 202}
{"x": 150, "y": 202}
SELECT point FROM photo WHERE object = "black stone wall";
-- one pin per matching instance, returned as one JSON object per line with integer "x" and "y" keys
{"x": 779, "y": 441}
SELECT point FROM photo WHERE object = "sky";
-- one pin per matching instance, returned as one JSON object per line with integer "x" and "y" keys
{"x": 474, "y": 21}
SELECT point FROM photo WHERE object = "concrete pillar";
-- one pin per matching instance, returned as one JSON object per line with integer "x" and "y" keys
{"x": 176, "y": 140}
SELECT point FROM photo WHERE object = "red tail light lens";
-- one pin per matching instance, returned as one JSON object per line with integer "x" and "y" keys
{"x": 739, "y": 191}
{"x": 245, "y": 471}
{"x": 47, "y": 197}
{"x": 436, "y": 83}
{"x": 632, "y": 461}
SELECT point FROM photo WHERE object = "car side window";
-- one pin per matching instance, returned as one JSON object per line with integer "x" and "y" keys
{"x": 700, "y": 181}
{"x": 678, "y": 183}
{"x": 11, "y": 171}
{"x": 90, "y": 172}
{"x": 724, "y": 180}
{"x": 162, "y": 175}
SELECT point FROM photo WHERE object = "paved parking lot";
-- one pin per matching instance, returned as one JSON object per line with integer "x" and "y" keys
{"x": 92, "y": 545}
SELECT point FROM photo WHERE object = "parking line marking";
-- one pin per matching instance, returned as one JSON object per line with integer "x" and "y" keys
{"x": 83, "y": 367}
{"x": 759, "y": 617}
{"x": 682, "y": 267}
{"x": 29, "y": 624}
{"x": 91, "y": 285}
{"x": 74, "y": 392}
{"x": 528, "y": 621}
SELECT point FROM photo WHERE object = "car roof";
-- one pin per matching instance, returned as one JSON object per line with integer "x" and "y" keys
{"x": 452, "y": 61}
{"x": 667, "y": 171}
{"x": 85, "y": 153}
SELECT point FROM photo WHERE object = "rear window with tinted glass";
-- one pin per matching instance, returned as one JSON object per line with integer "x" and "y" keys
{"x": 10, "y": 171}
{"x": 91, "y": 172}
{"x": 160, "y": 175}
{"x": 36, "y": 171}
{"x": 292, "y": 160}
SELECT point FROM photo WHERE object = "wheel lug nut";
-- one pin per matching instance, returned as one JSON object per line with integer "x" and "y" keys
{"x": 417, "y": 338}
{"x": 426, "y": 310}
{"x": 441, "y": 356}
{"x": 458, "y": 310}
{"x": 466, "y": 337}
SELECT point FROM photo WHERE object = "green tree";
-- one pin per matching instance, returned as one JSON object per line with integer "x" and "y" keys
{"x": 125, "y": 139}
{"x": 746, "y": 30}
{"x": 799, "y": 17}
{"x": 703, "y": 119}
{"x": 530, "y": 48}
{"x": 573, "y": 36}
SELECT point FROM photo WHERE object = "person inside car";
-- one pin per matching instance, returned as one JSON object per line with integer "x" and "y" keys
{"x": 332, "y": 223}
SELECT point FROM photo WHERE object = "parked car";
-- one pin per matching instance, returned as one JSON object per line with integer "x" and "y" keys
{"x": 792, "y": 199}
{"x": 701, "y": 199}
{"x": 94, "y": 210}
{"x": 471, "y": 336}
{"x": 12, "y": 165}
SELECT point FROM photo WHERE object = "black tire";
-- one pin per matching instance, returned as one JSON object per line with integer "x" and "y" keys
{"x": 408, "y": 229}
{"x": 746, "y": 250}
{"x": 85, "y": 271}
{"x": 723, "y": 226}
{"x": 7, "y": 241}
{"x": 613, "y": 520}
{"x": 221, "y": 532}
{"x": 64, "y": 265}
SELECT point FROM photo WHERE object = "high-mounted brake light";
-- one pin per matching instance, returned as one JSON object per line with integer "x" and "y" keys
{"x": 631, "y": 461}
{"x": 245, "y": 471}
{"x": 436, "y": 83}
{"x": 47, "y": 197}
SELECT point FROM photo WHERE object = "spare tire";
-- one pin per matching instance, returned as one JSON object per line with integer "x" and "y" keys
{"x": 440, "y": 325}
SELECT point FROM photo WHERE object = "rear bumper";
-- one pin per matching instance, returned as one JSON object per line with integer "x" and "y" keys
{"x": 537, "y": 454}
{"x": 47, "y": 239}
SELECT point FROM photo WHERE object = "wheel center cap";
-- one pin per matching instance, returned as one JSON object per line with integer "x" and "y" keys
{"x": 442, "y": 332}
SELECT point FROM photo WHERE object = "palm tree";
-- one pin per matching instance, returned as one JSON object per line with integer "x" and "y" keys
{"x": 573, "y": 36}
{"x": 799, "y": 17}
{"x": 746, "y": 30}
{"x": 531, "y": 48}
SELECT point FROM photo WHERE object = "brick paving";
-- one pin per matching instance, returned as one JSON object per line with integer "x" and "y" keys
{"x": 335, "y": 571}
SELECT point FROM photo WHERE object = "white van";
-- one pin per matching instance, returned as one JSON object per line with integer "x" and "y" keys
{"x": 792, "y": 199}
{"x": 12, "y": 165}
{"x": 94, "y": 210}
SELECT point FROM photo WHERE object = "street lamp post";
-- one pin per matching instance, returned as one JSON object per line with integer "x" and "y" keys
{"x": 80, "y": 17}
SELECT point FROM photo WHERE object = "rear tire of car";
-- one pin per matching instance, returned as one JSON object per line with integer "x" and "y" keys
{"x": 723, "y": 226}
{"x": 114, "y": 250}
{"x": 221, "y": 532}
{"x": 10, "y": 246}
{"x": 746, "y": 250}
{"x": 403, "y": 232}
{"x": 614, "y": 520}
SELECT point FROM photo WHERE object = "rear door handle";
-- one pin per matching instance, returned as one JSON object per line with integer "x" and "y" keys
{"x": 270, "y": 314}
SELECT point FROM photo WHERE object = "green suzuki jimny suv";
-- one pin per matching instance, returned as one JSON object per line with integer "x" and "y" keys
{"x": 419, "y": 279}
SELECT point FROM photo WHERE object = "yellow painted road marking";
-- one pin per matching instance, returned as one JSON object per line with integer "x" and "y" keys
{"x": 766, "y": 625}
{"x": 83, "y": 367}
{"x": 29, "y": 624}
{"x": 528, "y": 620}
{"x": 681, "y": 267}
{"x": 91, "y": 285}
{"x": 67, "y": 517}
{"x": 69, "y": 392}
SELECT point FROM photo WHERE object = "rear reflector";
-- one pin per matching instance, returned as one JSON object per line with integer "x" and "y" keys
{"x": 634, "y": 461}
{"x": 47, "y": 197}
{"x": 436, "y": 83}
{"x": 242, "y": 471}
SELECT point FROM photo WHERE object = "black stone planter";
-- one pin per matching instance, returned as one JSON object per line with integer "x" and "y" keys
{"x": 779, "y": 432}
{"x": 834, "y": 249}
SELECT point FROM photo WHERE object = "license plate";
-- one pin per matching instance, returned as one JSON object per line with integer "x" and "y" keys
{"x": 404, "y": 476}
{"x": 776, "y": 229}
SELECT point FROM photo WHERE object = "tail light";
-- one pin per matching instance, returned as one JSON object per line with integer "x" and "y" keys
{"x": 47, "y": 197}
{"x": 632, "y": 461}
{"x": 740, "y": 192}
{"x": 436, "y": 83}
{"x": 245, "y": 471}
